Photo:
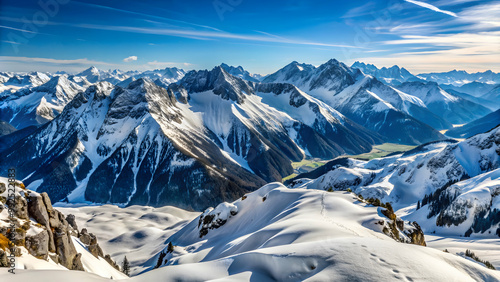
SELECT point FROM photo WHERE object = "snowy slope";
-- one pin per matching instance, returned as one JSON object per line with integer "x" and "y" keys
{"x": 281, "y": 234}
{"x": 277, "y": 233}
{"x": 427, "y": 172}
{"x": 449, "y": 107}
{"x": 138, "y": 232}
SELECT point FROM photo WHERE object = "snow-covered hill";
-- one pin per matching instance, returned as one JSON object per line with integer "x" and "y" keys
{"x": 427, "y": 173}
{"x": 277, "y": 233}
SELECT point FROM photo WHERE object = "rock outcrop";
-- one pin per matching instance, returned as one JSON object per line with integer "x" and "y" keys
{"x": 49, "y": 230}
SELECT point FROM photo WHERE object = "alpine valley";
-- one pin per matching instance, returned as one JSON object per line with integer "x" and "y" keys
{"x": 321, "y": 173}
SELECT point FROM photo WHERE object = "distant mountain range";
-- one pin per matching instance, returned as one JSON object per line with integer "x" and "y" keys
{"x": 193, "y": 139}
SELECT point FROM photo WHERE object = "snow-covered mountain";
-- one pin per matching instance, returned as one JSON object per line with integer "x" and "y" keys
{"x": 393, "y": 75}
{"x": 476, "y": 89}
{"x": 365, "y": 100}
{"x": 128, "y": 146}
{"x": 39, "y": 104}
{"x": 451, "y": 108}
{"x": 118, "y": 77}
{"x": 241, "y": 73}
{"x": 459, "y": 78}
{"x": 480, "y": 125}
{"x": 493, "y": 96}
{"x": 209, "y": 138}
{"x": 427, "y": 172}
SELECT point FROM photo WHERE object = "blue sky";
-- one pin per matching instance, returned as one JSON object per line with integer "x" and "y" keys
{"x": 261, "y": 36}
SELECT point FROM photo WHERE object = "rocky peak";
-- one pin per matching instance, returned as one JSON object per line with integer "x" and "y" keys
{"x": 219, "y": 81}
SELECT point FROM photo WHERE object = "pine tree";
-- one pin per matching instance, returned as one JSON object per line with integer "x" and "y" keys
{"x": 126, "y": 266}
{"x": 418, "y": 205}
{"x": 170, "y": 247}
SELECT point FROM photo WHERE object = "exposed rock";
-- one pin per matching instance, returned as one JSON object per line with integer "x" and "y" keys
{"x": 95, "y": 250}
{"x": 85, "y": 236}
{"x": 215, "y": 218}
{"x": 64, "y": 246}
{"x": 4, "y": 262}
{"x": 416, "y": 235}
{"x": 3, "y": 187}
{"x": 37, "y": 209}
{"x": 77, "y": 263}
{"x": 399, "y": 230}
{"x": 38, "y": 245}
{"x": 111, "y": 262}
{"x": 47, "y": 201}
{"x": 20, "y": 207}
{"x": 72, "y": 222}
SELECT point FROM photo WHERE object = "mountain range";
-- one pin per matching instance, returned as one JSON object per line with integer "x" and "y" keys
{"x": 207, "y": 136}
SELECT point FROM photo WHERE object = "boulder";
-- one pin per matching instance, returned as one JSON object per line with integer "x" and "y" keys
{"x": 4, "y": 262}
{"x": 77, "y": 263}
{"x": 37, "y": 209}
{"x": 85, "y": 236}
{"x": 19, "y": 206}
{"x": 38, "y": 245}
{"x": 95, "y": 250}
{"x": 64, "y": 246}
{"x": 72, "y": 222}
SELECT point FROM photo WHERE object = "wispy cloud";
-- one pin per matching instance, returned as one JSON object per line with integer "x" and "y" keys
{"x": 203, "y": 35}
{"x": 431, "y": 7}
{"x": 167, "y": 64}
{"x": 130, "y": 59}
{"x": 17, "y": 29}
{"x": 84, "y": 61}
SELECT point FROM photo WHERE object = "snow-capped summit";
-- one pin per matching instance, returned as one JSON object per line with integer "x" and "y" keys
{"x": 37, "y": 105}
{"x": 218, "y": 80}
{"x": 92, "y": 74}
{"x": 459, "y": 78}
{"x": 443, "y": 104}
{"x": 393, "y": 75}
{"x": 241, "y": 73}
{"x": 363, "y": 99}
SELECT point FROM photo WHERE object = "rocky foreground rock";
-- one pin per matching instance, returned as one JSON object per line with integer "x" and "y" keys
{"x": 42, "y": 230}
